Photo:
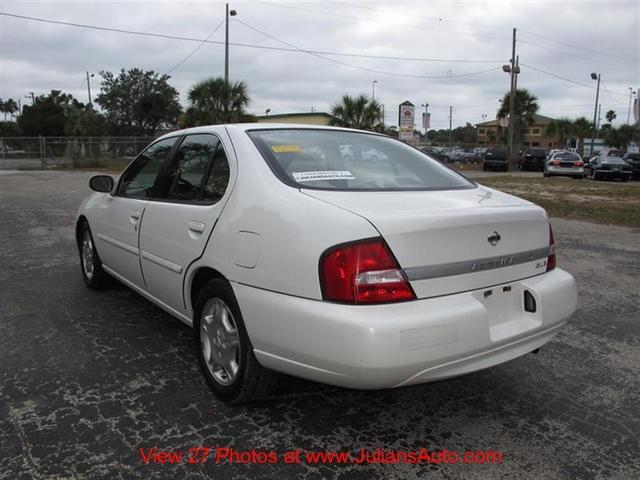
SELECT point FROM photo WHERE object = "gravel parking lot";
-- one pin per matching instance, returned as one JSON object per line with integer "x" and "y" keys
{"x": 87, "y": 378}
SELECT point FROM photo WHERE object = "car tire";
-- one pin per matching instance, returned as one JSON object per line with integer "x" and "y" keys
{"x": 90, "y": 265}
{"x": 577, "y": 177}
{"x": 484, "y": 168}
{"x": 595, "y": 176}
{"x": 219, "y": 332}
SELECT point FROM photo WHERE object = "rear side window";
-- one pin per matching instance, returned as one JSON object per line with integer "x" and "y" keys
{"x": 339, "y": 160}
{"x": 200, "y": 170}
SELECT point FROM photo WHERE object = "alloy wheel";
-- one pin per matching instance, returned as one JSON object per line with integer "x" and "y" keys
{"x": 220, "y": 341}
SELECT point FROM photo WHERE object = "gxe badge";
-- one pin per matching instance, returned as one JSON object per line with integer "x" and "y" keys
{"x": 494, "y": 238}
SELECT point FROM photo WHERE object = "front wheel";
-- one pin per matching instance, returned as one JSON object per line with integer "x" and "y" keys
{"x": 91, "y": 266}
{"x": 224, "y": 351}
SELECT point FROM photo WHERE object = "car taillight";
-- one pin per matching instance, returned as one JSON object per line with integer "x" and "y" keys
{"x": 363, "y": 272}
{"x": 551, "y": 259}
{"x": 577, "y": 164}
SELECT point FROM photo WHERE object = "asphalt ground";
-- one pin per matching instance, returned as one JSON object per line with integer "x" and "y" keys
{"x": 88, "y": 378}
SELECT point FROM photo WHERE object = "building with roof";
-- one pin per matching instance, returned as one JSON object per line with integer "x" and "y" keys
{"x": 489, "y": 133}
{"x": 309, "y": 118}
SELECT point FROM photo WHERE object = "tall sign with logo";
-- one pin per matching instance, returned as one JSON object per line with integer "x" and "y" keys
{"x": 406, "y": 121}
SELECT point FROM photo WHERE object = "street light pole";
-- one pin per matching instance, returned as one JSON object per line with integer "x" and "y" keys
{"x": 595, "y": 76}
{"x": 226, "y": 41}
{"x": 450, "y": 120}
{"x": 373, "y": 90}
{"x": 631, "y": 92}
{"x": 512, "y": 95}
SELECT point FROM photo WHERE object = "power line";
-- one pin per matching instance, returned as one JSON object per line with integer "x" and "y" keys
{"x": 439, "y": 19}
{"x": 382, "y": 72}
{"x": 179, "y": 64}
{"x": 244, "y": 45}
{"x": 355, "y": 17}
{"x": 567, "y": 79}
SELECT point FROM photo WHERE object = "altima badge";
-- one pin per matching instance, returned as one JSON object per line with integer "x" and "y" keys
{"x": 494, "y": 238}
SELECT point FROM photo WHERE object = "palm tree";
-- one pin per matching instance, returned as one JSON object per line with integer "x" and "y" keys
{"x": 215, "y": 101}
{"x": 581, "y": 128}
{"x": 611, "y": 116}
{"x": 561, "y": 129}
{"x": 525, "y": 107}
{"x": 357, "y": 112}
{"x": 10, "y": 107}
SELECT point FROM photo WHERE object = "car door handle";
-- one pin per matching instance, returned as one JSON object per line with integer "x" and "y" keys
{"x": 197, "y": 227}
{"x": 134, "y": 214}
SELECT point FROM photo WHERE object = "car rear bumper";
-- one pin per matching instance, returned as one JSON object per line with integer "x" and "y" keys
{"x": 496, "y": 164}
{"x": 568, "y": 171}
{"x": 613, "y": 174}
{"x": 384, "y": 346}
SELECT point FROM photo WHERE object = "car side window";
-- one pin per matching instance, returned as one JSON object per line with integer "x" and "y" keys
{"x": 140, "y": 179}
{"x": 199, "y": 171}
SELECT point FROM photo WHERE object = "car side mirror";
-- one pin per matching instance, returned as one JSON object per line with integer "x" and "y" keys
{"x": 101, "y": 183}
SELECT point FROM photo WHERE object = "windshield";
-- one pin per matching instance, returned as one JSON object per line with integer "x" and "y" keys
{"x": 339, "y": 160}
{"x": 613, "y": 160}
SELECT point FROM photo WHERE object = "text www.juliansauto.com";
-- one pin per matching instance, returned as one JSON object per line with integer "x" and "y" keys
{"x": 200, "y": 455}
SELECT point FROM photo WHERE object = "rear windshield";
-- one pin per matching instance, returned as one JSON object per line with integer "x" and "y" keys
{"x": 496, "y": 153}
{"x": 538, "y": 152}
{"x": 613, "y": 160}
{"x": 566, "y": 156}
{"x": 339, "y": 160}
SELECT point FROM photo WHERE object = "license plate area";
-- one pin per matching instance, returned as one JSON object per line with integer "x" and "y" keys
{"x": 506, "y": 311}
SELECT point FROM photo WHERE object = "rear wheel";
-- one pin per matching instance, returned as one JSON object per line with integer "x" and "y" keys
{"x": 224, "y": 351}
{"x": 91, "y": 266}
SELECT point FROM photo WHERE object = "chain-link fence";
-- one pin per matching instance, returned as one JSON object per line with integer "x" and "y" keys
{"x": 69, "y": 152}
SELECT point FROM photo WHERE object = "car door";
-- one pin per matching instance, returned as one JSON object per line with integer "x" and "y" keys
{"x": 116, "y": 230}
{"x": 175, "y": 230}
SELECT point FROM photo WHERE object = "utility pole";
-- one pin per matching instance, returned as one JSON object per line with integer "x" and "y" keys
{"x": 226, "y": 41}
{"x": 373, "y": 90}
{"x": 512, "y": 97}
{"x": 595, "y": 76}
{"x": 599, "y": 119}
{"x": 89, "y": 89}
{"x": 426, "y": 120}
{"x": 631, "y": 92}
{"x": 450, "y": 118}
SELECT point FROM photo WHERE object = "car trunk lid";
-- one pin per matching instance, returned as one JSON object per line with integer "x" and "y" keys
{"x": 454, "y": 240}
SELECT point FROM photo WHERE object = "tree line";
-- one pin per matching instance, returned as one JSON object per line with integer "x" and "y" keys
{"x": 136, "y": 102}
{"x": 133, "y": 102}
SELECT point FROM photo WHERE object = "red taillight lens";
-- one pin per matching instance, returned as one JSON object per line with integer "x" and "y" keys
{"x": 551, "y": 259}
{"x": 555, "y": 162}
{"x": 363, "y": 272}
{"x": 578, "y": 164}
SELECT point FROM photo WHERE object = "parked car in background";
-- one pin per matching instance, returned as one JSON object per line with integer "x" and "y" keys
{"x": 495, "y": 159}
{"x": 608, "y": 167}
{"x": 533, "y": 159}
{"x": 565, "y": 164}
{"x": 479, "y": 152}
{"x": 283, "y": 256}
{"x": 633, "y": 159}
{"x": 463, "y": 155}
{"x": 436, "y": 153}
{"x": 615, "y": 153}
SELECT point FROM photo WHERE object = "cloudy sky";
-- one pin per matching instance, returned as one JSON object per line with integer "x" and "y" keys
{"x": 559, "y": 43}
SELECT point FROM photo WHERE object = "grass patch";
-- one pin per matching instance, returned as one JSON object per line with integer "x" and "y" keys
{"x": 612, "y": 203}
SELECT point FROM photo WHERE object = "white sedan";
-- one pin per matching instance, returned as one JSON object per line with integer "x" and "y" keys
{"x": 286, "y": 256}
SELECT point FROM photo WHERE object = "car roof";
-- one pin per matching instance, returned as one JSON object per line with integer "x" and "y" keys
{"x": 262, "y": 126}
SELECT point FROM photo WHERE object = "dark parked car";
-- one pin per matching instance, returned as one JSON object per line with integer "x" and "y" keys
{"x": 533, "y": 159}
{"x": 608, "y": 168}
{"x": 495, "y": 159}
{"x": 633, "y": 159}
{"x": 436, "y": 153}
